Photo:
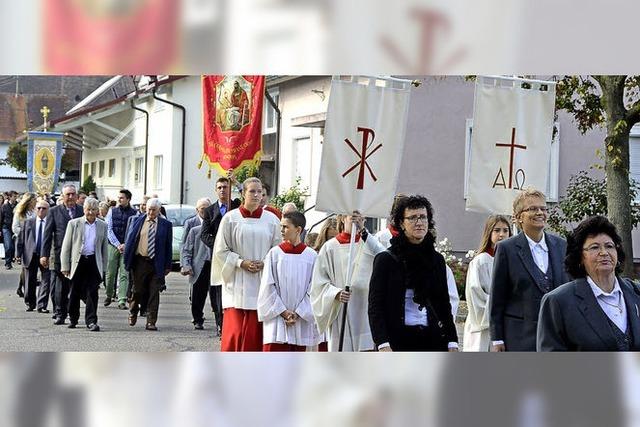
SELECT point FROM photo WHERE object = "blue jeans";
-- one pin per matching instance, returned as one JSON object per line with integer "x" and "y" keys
{"x": 9, "y": 248}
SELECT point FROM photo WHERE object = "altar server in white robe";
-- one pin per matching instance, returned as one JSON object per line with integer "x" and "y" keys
{"x": 328, "y": 293}
{"x": 283, "y": 300}
{"x": 476, "y": 326}
{"x": 245, "y": 236}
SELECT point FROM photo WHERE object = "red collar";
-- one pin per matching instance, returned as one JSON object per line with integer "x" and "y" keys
{"x": 346, "y": 237}
{"x": 274, "y": 211}
{"x": 491, "y": 251}
{"x": 246, "y": 214}
{"x": 288, "y": 248}
{"x": 393, "y": 230}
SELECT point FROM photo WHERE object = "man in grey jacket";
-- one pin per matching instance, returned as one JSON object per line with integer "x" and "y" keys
{"x": 84, "y": 261}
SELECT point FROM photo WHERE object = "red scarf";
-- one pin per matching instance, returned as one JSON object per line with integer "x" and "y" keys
{"x": 288, "y": 248}
{"x": 246, "y": 214}
{"x": 393, "y": 230}
{"x": 491, "y": 251}
{"x": 346, "y": 237}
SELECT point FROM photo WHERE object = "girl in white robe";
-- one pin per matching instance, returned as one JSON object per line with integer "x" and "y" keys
{"x": 476, "y": 326}
{"x": 245, "y": 236}
{"x": 283, "y": 300}
{"x": 328, "y": 283}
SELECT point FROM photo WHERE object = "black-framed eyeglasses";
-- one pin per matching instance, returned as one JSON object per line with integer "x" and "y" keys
{"x": 534, "y": 209}
{"x": 417, "y": 218}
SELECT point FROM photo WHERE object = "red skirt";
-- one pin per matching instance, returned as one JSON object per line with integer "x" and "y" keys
{"x": 241, "y": 330}
{"x": 283, "y": 347}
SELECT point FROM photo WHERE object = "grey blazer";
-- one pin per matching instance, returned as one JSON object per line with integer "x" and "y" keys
{"x": 54, "y": 231}
{"x": 515, "y": 295}
{"x": 572, "y": 320}
{"x": 195, "y": 253}
{"x": 191, "y": 222}
{"x": 72, "y": 246}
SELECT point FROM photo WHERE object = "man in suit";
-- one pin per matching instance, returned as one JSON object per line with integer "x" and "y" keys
{"x": 54, "y": 230}
{"x": 83, "y": 260}
{"x": 525, "y": 268}
{"x": 210, "y": 224}
{"x": 194, "y": 221}
{"x": 147, "y": 255}
{"x": 117, "y": 220}
{"x": 196, "y": 263}
{"x": 29, "y": 250}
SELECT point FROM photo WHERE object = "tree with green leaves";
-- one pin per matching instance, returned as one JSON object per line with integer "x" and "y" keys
{"x": 295, "y": 194}
{"x": 88, "y": 185}
{"x": 586, "y": 196}
{"x": 612, "y": 103}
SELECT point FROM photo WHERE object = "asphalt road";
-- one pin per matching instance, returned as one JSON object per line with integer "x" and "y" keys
{"x": 32, "y": 331}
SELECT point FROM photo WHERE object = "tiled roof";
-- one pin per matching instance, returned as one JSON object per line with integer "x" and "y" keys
{"x": 13, "y": 116}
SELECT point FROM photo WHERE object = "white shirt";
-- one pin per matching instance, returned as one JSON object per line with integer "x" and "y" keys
{"x": 89, "y": 245}
{"x": 611, "y": 303}
{"x": 540, "y": 252}
{"x": 413, "y": 315}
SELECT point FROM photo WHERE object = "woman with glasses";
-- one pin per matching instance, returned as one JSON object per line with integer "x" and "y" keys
{"x": 409, "y": 308}
{"x": 599, "y": 310}
{"x": 476, "y": 326}
{"x": 525, "y": 267}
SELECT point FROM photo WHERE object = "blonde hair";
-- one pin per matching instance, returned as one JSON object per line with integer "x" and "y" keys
{"x": 23, "y": 205}
{"x": 248, "y": 181}
{"x": 322, "y": 234}
{"x": 485, "y": 241}
{"x": 518, "y": 202}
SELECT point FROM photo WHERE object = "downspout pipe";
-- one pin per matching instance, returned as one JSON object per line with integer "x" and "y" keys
{"x": 184, "y": 125}
{"x": 146, "y": 143}
{"x": 277, "y": 154}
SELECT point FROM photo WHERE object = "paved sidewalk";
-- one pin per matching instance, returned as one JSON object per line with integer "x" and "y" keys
{"x": 32, "y": 331}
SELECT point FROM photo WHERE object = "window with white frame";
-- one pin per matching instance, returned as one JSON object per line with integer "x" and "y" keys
{"x": 302, "y": 161}
{"x": 93, "y": 170}
{"x": 554, "y": 162}
{"x": 85, "y": 171}
{"x": 270, "y": 122}
{"x": 112, "y": 167}
{"x": 101, "y": 168}
{"x": 157, "y": 172}
{"x": 139, "y": 170}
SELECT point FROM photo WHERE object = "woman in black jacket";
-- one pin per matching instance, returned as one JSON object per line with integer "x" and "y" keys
{"x": 409, "y": 307}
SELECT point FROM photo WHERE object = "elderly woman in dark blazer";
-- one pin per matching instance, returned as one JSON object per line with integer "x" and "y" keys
{"x": 599, "y": 311}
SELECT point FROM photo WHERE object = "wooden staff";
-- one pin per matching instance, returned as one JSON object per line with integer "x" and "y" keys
{"x": 352, "y": 245}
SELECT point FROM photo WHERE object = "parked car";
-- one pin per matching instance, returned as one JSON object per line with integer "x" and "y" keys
{"x": 178, "y": 214}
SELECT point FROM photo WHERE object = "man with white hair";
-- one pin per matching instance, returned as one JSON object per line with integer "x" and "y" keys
{"x": 83, "y": 260}
{"x": 201, "y": 205}
{"x": 195, "y": 262}
{"x": 147, "y": 255}
{"x": 54, "y": 232}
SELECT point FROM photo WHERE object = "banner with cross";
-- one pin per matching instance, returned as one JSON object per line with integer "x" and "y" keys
{"x": 363, "y": 145}
{"x": 510, "y": 141}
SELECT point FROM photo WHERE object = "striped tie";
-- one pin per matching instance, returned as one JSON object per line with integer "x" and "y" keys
{"x": 151, "y": 240}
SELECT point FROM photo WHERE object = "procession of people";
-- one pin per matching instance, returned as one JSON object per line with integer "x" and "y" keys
{"x": 350, "y": 290}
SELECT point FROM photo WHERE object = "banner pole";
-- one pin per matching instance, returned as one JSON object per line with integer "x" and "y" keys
{"x": 352, "y": 245}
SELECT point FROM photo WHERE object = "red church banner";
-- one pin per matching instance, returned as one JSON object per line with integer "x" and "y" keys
{"x": 106, "y": 37}
{"x": 232, "y": 108}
